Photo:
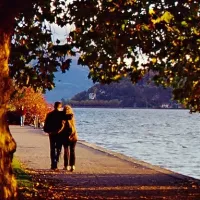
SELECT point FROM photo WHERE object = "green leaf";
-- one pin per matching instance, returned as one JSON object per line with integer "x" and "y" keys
{"x": 123, "y": 27}
{"x": 184, "y": 23}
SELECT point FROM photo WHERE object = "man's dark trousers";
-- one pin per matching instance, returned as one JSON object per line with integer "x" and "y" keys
{"x": 54, "y": 150}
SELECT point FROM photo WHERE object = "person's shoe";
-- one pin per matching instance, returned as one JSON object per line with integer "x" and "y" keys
{"x": 72, "y": 168}
{"x": 54, "y": 168}
{"x": 68, "y": 168}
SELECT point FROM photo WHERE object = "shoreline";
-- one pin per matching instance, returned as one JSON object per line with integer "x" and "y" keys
{"x": 142, "y": 108}
{"x": 138, "y": 161}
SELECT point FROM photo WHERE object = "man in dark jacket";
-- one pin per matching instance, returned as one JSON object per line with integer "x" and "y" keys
{"x": 52, "y": 125}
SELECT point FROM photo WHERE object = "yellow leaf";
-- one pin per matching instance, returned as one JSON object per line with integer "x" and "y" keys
{"x": 167, "y": 17}
{"x": 145, "y": 27}
{"x": 195, "y": 83}
{"x": 154, "y": 60}
{"x": 112, "y": 69}
{"x": 151, "y": 12}
{"x": 196, "y": 59}
{"x": 117, "y": 77}
{"x": 112, "y": 9}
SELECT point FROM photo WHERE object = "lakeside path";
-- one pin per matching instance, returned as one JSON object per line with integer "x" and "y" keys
{"x": 99, "y": 174}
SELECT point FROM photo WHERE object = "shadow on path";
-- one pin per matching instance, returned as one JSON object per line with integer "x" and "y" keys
{"x": 66, "y": 185}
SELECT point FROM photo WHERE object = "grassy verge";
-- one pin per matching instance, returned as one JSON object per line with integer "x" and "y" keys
{"x": 24, "y": 181}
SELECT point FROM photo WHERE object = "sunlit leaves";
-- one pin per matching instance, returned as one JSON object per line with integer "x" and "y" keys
{"x": 34, "y": 102}
{"x": 158, "y": 36}
{"x": 167, "y": 17}
{"x": 166, "y": 33}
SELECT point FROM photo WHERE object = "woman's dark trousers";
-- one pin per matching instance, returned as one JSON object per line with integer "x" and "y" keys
{"x": 69, "y": 154}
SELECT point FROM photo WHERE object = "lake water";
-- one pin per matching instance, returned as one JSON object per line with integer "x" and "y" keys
{"x": 167, "y": 138}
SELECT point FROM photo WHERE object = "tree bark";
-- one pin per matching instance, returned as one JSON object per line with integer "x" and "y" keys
{"x": 7, "y": 143}
{"x": 9, "y": 10}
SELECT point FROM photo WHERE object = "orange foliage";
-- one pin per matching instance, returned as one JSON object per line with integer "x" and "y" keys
{"x": 33, "y": 102}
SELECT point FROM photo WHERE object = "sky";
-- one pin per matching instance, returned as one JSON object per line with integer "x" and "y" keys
{"x": 60, "y": 33}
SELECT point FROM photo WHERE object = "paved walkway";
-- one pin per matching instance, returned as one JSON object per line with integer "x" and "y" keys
{"x": 101, "y": 174}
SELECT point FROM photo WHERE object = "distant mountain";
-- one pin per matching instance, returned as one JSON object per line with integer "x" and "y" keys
{"x": 70, "y": 83}
{"x": 125, "y": 94}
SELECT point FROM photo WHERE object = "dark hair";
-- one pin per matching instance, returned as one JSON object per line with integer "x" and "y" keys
{"x": 56, "y": 104}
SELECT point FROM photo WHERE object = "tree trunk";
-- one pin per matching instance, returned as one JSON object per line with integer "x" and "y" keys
{"x": 7, "y": 143}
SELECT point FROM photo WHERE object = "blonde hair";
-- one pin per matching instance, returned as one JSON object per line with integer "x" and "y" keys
{"x": 72, "y": 123}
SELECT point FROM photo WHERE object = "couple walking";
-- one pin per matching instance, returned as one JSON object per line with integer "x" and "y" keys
{"x": 60, "y": 125}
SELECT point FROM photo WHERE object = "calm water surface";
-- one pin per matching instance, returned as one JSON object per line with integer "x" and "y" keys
{"x": 167, "y": 138}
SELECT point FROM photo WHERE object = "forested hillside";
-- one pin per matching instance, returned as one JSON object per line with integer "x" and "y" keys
{"x": 125, "y": 94}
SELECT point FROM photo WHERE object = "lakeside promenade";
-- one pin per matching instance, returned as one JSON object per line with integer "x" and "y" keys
{"x": 99, "y": 174}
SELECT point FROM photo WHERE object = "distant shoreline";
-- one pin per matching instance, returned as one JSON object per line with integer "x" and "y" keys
{"x": 130, "y": 108}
